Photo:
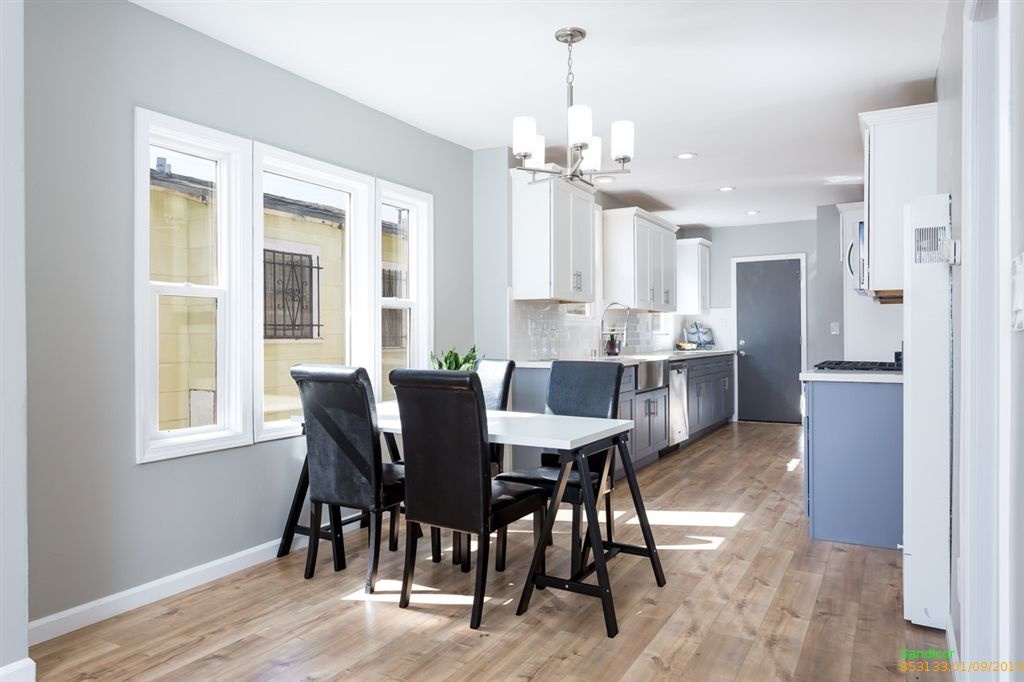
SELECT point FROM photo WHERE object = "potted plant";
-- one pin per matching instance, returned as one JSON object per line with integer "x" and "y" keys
{"x": 454, "y": 362}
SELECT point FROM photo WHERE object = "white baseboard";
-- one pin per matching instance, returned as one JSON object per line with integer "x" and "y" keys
{"x": 19, "y": 671}
{"x": 951, "y": 645}
{"x": 63, "y": 622}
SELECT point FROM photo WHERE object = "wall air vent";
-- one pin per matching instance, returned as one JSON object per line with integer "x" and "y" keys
{"x": 928, "y": 244}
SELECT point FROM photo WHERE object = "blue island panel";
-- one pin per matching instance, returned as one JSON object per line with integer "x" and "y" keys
{"x": 854, "y": 462}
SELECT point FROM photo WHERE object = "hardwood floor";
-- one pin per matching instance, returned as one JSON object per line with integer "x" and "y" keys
{"x": 749, "y": 597}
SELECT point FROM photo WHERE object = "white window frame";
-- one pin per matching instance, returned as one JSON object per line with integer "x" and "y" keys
{"x": 232, "y": 292}
{"x": 420, "y": 302}
{"x": 358, "y": 250}
{"x": 285, "y": 246}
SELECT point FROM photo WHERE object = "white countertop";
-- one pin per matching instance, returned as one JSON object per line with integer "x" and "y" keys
{"x": 852, "y": 377}
{"x": 633, "y": 360}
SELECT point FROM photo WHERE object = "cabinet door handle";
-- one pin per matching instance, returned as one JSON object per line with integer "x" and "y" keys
{"x": 654, "y": 405}
{"x": 726, "y": 383}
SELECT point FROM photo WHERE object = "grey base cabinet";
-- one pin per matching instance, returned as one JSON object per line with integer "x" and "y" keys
{"x": 710, "y": 393}
{"x": 650, "y": 414}
{"x": 853, "y": 462}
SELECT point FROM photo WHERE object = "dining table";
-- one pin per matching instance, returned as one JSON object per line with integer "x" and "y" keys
{"x": 574, "y": 440}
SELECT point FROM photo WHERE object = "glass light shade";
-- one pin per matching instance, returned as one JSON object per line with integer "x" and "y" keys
{"x": 581, "y": 124}
{"x": 592, "y": 155}
{"x": 622, "y": 140}
{"x": 524, "y": 130}
{"x": 537, "y": 157}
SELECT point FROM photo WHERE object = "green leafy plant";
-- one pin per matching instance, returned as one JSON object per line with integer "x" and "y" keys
{"x": 453, "y": 361}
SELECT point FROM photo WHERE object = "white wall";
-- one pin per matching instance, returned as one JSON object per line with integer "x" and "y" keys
{"x": 13, "y": 433}
{"x": 99, "y": 523}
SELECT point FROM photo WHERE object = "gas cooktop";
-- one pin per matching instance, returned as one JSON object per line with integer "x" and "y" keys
{"x": 860, "y": 366}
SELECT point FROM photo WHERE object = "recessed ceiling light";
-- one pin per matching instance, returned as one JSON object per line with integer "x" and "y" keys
{"x": 752, "y": 212}
{"x": 686, "y": 155}
{"x": 604, "y": 179}
{"x": 844, "y": 179}
{"x": 726, "y": 189}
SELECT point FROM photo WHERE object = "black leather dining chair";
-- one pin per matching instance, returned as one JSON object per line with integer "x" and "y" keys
{"x": 579, "y": 389}
{"x": 343, "y": 449}
{"x": 496, "y": 382}
{"x": 447, "y": 467}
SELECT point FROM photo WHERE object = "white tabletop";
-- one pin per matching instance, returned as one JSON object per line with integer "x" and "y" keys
{"x": 528, "y": 429}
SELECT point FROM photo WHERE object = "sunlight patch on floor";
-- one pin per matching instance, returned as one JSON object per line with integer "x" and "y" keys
{"x": 390, "y": 591}
{"x": 707, "y": 543}
{"x": 669, "y": 517}
{"x": 793, "y": 464}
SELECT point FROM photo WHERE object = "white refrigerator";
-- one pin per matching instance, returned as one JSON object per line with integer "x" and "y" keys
{"x": 929, "y": 253}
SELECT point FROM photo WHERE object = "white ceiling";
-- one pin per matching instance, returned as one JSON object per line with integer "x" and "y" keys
{"x": 766, "y": 92}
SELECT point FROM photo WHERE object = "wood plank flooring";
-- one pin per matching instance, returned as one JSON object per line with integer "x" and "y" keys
{"x": 749, "y": 597}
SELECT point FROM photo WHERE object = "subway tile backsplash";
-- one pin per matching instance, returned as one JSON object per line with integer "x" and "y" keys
{"x": 542, "y": 330}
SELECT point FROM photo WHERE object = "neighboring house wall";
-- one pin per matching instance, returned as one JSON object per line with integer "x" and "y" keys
{"x": 99, "y": 523}
{"x": 824, "y": 291}
{"x": 13, "y": 506}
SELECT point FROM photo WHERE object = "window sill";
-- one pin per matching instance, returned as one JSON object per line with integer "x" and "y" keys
{"x": 157, "y": 450}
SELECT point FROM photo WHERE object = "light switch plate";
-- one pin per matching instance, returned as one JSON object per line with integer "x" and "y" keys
{"x": 835, "y": 329}
{"x": 1017, "y": 293}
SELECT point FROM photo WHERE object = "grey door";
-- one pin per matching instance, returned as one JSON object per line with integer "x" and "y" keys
{"x": 768, "y": 337}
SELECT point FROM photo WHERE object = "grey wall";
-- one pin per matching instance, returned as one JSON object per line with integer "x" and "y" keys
{"x": 824, "y": 293}
{"x": 948, "y": 86}
{"x": 13, "y": 434}
{"x": 827, "y": 275}
{"x": 99, "y": 523}
{"x": 492, "y": 250}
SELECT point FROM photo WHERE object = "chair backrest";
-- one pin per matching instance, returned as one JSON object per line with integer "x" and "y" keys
{"x": 447, "y": 459}
{"x": 496, "y": 381}
{"x": 582, "y": 388}
{"x": 342, "y": 440}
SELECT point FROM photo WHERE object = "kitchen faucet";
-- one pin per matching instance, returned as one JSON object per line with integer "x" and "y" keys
{"x": 625, "y": 326}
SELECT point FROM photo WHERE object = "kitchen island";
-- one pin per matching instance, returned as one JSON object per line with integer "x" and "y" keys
{"x": 853, "y": 456}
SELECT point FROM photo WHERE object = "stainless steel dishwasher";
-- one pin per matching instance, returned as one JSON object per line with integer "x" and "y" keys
{"x": 678, "y": 424}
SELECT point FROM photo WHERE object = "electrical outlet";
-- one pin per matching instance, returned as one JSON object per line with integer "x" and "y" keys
{"x": 1017, "y": 293}
{"x": 835, "y": 329}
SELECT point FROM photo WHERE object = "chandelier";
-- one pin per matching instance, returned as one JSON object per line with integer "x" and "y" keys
{"x": 583, "y": 148}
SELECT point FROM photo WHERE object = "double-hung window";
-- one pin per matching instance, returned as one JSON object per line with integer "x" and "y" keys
{"x": 250, "y": 260}
{"x": 192, "y": 284}
{"x": 306, "y": 215}
{"x": 404, "y": 237}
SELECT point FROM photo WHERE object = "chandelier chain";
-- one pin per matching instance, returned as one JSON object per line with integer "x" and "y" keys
{"x": 570, "y": 77}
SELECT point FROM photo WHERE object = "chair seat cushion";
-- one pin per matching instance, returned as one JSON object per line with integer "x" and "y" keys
{"x": 393, "y": 484}
{"x": 512, "y": 501}
{"x": 547, "y": 478}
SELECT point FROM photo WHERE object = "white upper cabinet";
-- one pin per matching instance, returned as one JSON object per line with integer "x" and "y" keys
{"x": 899, "y": 166}
{"x": 693, "y": 276}
{"x": 552, "y": 240}
{"x": 639, "y": 260}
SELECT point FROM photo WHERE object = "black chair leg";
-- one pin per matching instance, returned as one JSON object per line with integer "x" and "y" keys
{"x": 501, "y": 546}
{"x": 393, "y": 530}
{"x": 456, "y": 547}
{"x": 410, "y": 564}
{"x": 435, "y": 544}
{"x": 337, "y": 540}
{"x": 467, "y": 552}
{"x": 314, "y": 538}
{"x": 364, "y": 519}
{"x": 481, "y": 579}
{"x": 538, "y": 528}
{"x": 575, "y": 541}
{"x": 609, "y": 518}
{"x": 376, "y": 521}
